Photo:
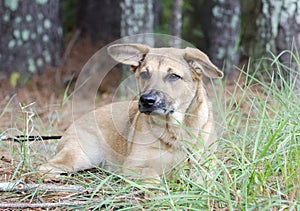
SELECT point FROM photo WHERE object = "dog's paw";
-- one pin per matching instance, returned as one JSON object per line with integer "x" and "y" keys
{"x": 48, "y": 169}
{"x": 49, "y": 172}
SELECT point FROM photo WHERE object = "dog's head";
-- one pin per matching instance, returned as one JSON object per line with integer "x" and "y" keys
{"x": 169, "y": 77}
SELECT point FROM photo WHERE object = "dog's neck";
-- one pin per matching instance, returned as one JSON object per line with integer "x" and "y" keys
{"x": 198, "y": 109}
{"x": 196, "y": 115}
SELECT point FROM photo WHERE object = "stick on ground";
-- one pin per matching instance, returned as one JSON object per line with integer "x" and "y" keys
{"x": 20, "y": 186}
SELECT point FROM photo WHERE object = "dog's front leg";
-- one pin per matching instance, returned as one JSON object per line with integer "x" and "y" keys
{"x": 75, "y": 153}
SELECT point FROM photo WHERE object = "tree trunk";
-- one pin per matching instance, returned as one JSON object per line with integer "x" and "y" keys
{"x": 176, "y": 23}
{"x": 31, "y": 36}
{"x": 137, "y": 17}
{"x": 224, "y": 34}
{"x": 100, "y": 19}
{"x": 279, "y": 30}
{"x": 157, "y": 12}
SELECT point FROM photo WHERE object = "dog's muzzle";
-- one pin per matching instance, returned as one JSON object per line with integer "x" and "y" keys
{"x": 154, "y": 102}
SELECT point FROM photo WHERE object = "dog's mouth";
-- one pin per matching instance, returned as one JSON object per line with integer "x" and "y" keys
{"x": 156, "y": 111}
{"x": 153, "y": 103}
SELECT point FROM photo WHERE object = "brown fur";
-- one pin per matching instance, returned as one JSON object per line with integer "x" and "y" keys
{"x": 122, "y": 137}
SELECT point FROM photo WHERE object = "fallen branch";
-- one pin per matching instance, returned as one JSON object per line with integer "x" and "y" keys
{"x": 23, "y": 138}
{"x": 45, "y": 205}
{"x": 20, "y": 186}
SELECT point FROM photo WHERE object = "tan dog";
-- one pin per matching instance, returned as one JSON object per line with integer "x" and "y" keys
{"x": 147, "y": 137}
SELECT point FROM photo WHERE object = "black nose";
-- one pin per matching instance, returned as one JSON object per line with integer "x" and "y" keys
{"x": 148, "y": 100}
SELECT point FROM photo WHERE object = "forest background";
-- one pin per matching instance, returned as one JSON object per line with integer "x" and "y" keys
{"x": 36, "y": 34}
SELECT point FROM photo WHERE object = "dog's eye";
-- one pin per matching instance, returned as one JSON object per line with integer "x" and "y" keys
{"x": 145, "y": 75}
{"x": 173, "y": 77}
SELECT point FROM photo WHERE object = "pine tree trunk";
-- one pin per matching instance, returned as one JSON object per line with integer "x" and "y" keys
{"x": 137, "y": 17}
{"x": 278, "y": 31}
{"x": 31, "y": 36}
{"x": 100, "y": 19}
{"x": 289, "y": 37}
{"x": 176, "y": 23}
{"x": 224, "y": 34}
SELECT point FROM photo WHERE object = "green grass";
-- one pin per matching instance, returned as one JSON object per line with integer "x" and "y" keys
{"x": 258, "y": 159}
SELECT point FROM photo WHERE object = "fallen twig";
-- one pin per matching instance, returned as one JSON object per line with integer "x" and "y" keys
{"x": 23, "y": 138}
{"x": 20, "y": 186}
{"x": 45, "y": 205}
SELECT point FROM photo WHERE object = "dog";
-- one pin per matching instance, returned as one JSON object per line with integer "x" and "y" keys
{"x": 149, "y": 136}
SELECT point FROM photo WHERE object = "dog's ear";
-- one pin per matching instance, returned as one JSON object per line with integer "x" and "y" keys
{"x": 129, "y": 54}
{"x": 200, "y": 62}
